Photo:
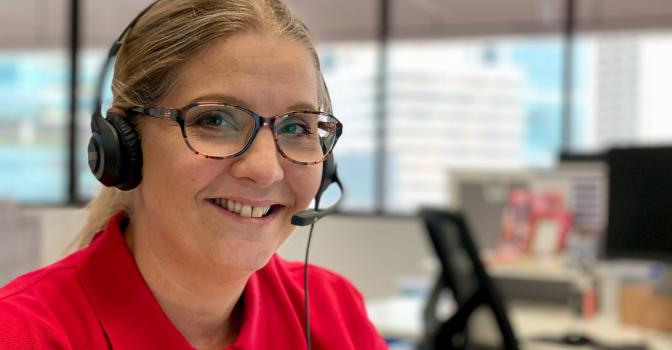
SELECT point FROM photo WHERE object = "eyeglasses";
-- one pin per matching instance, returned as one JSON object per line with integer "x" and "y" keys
{"x": 219, "y": 131}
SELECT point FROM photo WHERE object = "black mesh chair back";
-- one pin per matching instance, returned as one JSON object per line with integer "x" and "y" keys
{"x": 464, "y": 275}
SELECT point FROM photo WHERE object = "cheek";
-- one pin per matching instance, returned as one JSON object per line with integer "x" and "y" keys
{"x": 168, "y": 171}
{"x": 304, "y": 181}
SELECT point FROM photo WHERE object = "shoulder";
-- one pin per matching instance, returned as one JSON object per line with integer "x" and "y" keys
{"x": 29, "y": 304}
{"x": 42, "y": 283}
{"x": 34, "y": 281}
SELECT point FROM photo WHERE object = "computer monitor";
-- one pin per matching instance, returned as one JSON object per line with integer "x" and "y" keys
{"x": 640, "y": 204}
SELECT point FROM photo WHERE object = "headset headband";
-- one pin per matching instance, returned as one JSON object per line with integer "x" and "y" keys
{"x": 98, "y": 113}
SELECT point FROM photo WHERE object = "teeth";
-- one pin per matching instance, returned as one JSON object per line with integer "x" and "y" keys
{"x": 244, "y": 210}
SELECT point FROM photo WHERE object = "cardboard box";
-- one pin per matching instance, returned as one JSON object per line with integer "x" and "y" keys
{"x": 642, "y": 306}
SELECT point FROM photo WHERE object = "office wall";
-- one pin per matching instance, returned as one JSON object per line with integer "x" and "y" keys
{"x": 372, "y": 252}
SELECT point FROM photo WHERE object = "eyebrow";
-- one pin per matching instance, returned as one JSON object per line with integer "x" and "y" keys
{"x": 232, "y": 100}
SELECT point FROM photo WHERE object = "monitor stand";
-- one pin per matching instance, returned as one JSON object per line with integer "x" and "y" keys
{"x": 664, "y": 283}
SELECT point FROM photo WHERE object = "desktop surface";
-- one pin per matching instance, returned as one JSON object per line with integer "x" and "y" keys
{"x": 400, "y": 317}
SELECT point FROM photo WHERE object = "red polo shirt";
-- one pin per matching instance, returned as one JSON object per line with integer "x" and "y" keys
{"x": 97, "y": 299}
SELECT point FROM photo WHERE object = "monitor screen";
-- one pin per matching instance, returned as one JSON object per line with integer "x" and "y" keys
{"x": 640, "y": 204}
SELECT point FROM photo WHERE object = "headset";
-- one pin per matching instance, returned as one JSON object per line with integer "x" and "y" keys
{"x": 115, "y": 157}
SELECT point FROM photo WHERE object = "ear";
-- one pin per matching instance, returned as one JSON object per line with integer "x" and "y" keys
{"x": 115, "y": 110}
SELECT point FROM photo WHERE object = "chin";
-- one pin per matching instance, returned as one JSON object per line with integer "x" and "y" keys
{"x": 243, "y": 256}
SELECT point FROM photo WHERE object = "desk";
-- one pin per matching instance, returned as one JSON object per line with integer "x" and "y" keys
{"x": 401, "y": 317}
{"x": 530, "y": 268}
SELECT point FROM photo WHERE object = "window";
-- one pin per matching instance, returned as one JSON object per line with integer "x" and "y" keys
{"x": 34, "y": 96}
{"x": 483, "y": 102}
{"x": 478, "y": 104}
{"x": 627, "y": 100}
{"x": 90, "y": 63}
{"x": 350, "y": 70}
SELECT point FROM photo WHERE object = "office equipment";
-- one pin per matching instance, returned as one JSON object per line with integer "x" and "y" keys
{"x": 640, "y": 207}
{"x": 464, "y": 274}
{"x": 640, "y": 204}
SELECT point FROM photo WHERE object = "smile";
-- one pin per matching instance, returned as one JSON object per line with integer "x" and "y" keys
{"x": 243, "y": 210}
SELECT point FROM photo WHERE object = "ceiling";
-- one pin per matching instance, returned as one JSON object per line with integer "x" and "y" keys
{"x": 45, "y": 23}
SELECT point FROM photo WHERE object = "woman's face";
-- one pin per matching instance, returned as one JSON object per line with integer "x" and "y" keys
{"x": 267, "y": 75}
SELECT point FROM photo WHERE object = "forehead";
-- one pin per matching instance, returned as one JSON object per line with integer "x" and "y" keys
{"x": 264, "y": 73}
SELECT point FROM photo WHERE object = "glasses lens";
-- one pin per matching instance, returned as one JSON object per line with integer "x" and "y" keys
{"x": 218, "y": 131}
{"x": 306, "y": 137}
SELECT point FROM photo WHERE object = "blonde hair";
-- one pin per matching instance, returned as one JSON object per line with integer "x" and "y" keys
{"x": 156, "y": 49}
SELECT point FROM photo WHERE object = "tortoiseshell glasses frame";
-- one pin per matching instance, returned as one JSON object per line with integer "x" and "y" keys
{"x": 178, "y": 115}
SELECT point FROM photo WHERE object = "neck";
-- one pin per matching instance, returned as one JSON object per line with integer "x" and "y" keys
{"x": 205, "y": 307}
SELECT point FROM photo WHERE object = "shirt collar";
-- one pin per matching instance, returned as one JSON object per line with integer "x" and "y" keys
{"x": 127, "y": 309}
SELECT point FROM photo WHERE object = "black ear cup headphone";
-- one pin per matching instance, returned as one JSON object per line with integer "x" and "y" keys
{"x": 115, "y": 155}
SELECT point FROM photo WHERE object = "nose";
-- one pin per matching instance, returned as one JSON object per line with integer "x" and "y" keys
{"x": 260, "y": 164}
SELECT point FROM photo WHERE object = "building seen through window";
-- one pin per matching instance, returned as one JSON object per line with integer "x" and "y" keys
{"x": 482, "y": 104}
{"x": 33, "y": 123}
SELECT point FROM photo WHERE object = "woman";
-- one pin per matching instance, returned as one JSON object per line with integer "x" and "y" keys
{"x": 187, "y": 259}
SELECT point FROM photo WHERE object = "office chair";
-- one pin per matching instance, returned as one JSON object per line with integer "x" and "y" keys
{"x": 464, "y": 274}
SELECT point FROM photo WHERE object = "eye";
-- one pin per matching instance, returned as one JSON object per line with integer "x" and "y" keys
{"x": 215, "y": 119}
{"x": 293, "y": 128}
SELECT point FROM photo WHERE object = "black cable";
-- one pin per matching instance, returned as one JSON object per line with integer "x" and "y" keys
{"x": 305, "y": 278}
